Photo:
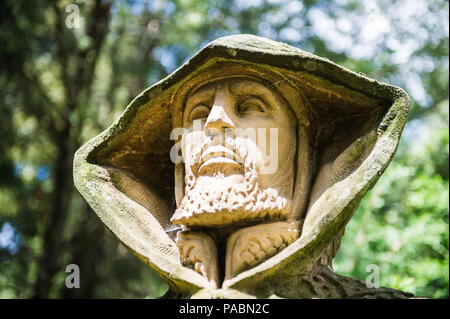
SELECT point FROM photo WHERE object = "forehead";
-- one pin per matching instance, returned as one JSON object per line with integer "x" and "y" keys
{"x": 236, "y": 86}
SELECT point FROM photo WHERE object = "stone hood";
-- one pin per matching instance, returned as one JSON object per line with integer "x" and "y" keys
{"x": 349, "y": 130}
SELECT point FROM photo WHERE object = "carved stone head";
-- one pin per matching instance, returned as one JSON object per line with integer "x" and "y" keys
{"x": 229, "y": 178}
{"x": 239, "y": 171}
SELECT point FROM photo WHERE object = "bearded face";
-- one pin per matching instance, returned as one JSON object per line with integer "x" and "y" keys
{"x": 239, "y": 151}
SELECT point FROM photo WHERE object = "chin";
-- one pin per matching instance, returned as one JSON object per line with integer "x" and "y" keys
{"x": 228, "y": 200}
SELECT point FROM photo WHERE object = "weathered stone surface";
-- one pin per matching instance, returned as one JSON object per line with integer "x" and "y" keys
{"x": 250, "y": 246}
{"x": 346, "y": 131}
{"x": 198, "y": 251}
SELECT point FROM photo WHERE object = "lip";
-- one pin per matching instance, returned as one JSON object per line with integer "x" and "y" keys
{"x": 218, "y": 155}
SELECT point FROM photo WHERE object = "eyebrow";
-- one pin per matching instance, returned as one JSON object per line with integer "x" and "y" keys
{"x": 204, "y": 93}
{"x": 253, "y": 88}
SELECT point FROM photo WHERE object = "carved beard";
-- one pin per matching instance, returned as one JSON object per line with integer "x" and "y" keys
{"x": 218, "y": 202}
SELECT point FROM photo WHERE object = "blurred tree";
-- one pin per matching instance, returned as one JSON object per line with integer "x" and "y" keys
{"x": 402, "y": 225}
{"x": 61, "y": 86}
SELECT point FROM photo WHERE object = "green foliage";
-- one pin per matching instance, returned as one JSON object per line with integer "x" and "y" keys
{"x": 60, "y": 87}
{"x": 402, "y": 225}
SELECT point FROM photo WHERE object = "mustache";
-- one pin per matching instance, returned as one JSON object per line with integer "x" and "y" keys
{"x": 222, "y": 150}
{"x": 228, "y": 149}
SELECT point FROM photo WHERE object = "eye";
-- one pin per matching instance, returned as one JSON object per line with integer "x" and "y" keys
{"x": 199, "y": 112}
{"x": 251, "y": 105}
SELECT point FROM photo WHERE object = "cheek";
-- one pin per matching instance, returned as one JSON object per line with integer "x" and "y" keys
{"x": 191, "y": 145}
{"x": 284, "y": 139}
{"x": 287, "y": 138}
{"x": 253, "y": 135}
{"x": 273, "y": 142}
{"x": 280, "y": 149}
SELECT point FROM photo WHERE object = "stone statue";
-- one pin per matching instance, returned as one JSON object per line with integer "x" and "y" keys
{"x": 236, "y": 175}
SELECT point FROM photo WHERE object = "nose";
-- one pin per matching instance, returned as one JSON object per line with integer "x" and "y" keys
{"x": 221, "y": 116}
{"x": 218, "y": 121}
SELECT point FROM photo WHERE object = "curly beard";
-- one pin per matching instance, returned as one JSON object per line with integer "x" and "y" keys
{"x": 220, "y": 201}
